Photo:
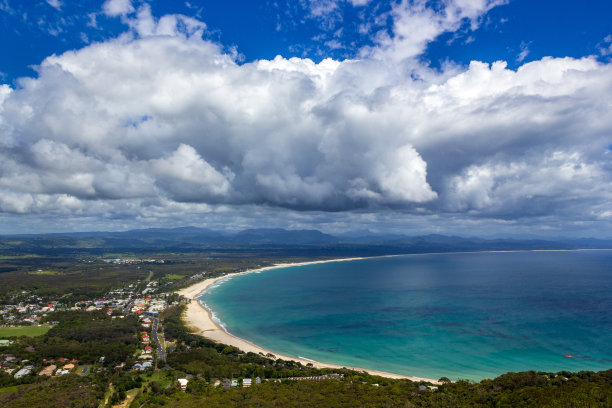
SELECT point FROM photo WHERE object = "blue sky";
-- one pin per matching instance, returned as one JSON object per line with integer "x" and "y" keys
{"x": 470, "y": 117}
{"x": 32, "y": 31}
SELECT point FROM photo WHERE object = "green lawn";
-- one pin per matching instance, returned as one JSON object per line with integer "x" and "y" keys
{"x": 30, "y": 331}
{"x": 173, "y": 276}
{"x": 161, "y": 377}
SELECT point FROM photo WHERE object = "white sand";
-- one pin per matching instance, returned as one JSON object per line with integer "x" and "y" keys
{"x": 200, "y": 321}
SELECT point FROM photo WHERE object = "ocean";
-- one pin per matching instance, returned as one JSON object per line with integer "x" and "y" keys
{"x": 457, "y": 315}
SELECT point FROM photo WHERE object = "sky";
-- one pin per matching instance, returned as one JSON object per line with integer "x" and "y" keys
{"x": 467, "y": 117}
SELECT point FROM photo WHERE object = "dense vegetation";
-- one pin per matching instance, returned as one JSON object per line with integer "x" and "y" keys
{"x": 511, "y": 390}
{"x": 84, "y": 336}
{"x": 60, "y": 392}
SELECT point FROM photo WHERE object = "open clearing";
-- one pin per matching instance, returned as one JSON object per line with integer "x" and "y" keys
{"x": 30, "y": 331}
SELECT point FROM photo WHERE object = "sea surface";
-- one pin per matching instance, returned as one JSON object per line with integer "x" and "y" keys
{"x": 458, "y": 315}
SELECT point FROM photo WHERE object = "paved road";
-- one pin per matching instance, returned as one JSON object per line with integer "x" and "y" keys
{"x": 128, "y": 307}
{"x": 161, "y": 354}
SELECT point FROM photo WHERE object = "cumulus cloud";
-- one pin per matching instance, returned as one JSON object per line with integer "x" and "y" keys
{"x": 162, "y": 123}
{"x": 281, "y": 132}
{"x": 144, "y": 24}
{"x": 188, "y": 177}
{"x": 416, "y": 23}
{"x": 529, "y": 186}
{"x": 114, "y": 8}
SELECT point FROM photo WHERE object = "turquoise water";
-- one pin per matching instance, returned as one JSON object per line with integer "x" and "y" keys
{"x": 460, "y": 315}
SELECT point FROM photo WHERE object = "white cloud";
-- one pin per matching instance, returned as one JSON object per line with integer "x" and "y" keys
{"x": 523, "y": 53}
{"x": 57, "y": 4}
{"x": 144, "y": 24}
{"x": 416, "y": 23}
{"x": 322, "y": 7}
{"x": 605, "y": 47}
{"x": 188, "y": 177}
{"x": 115, "y": 8}
{"x": 162, "y": 123}
{"x": 531, "y": 186}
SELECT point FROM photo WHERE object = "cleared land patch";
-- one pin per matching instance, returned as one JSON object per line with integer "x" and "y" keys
{"x": 30, "y": 331}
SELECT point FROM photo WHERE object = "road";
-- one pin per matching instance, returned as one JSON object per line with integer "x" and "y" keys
{"x": 128, "y": 307}
{"x": 161, "y": 354}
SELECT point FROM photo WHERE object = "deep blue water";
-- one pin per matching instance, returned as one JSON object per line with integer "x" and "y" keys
{"x": 460, "y": 315}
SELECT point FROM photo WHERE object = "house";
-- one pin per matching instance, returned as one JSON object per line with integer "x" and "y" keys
{"x": 9, "y": 358}
{"x": 183, "y": 383}
{"x": 68, "y": 367}
{"x": 257, "y": 380}
{"x": 147, "y": 349}
{"x": 5, "y": 343}
{"x": 23, "y": 372}
{"x": 48, "y": 371}
{"x": 246, "y": 382}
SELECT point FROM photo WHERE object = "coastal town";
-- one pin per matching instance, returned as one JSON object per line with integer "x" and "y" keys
{"x": 30, "y": 313}
{"x": 27, "y": 316}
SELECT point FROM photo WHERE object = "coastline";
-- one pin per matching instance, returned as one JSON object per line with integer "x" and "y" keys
{"x": 200, "y": 320}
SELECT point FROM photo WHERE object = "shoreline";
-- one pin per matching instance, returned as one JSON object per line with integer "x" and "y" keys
{"x": 200, "y": 320}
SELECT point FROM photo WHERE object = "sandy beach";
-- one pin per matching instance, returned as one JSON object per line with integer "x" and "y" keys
{"x": 200, "y": 321}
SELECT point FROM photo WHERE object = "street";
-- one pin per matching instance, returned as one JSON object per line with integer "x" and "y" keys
{"x": 161, "y": 354}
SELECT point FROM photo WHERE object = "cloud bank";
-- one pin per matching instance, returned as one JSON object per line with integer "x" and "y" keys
{"x": 160, "y": 122}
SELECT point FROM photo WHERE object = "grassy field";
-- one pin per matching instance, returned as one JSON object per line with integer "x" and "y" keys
{"x": 161, "y": 377}
{"x": 49, "y": 273}
{"x": 174, "y": 276}
{"x": 30, "y": 331}
{"x": 27, "y": 256}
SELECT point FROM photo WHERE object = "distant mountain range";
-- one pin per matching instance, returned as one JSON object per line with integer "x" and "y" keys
{"x": 199, "y": 238}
